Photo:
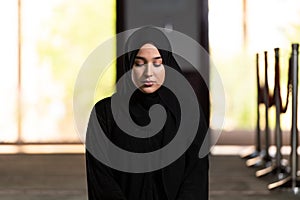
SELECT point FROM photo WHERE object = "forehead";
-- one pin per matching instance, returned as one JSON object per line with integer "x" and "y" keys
{"x": 148, "y": 50}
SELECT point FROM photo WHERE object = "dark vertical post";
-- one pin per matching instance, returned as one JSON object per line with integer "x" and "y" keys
{"x": 278, "y": 133}
{"x": 264, "y": 158}
{"x": 256, "y": 155}
{"x": 120, "y": 27}
{"x": 203, "y": 39}
{"x": 258, "y": 143}
{"x": 266, "y": 100}
{"x": 276, "y": 167}
{"x": 291, "y": 180}
{"x": 294, "y": 130}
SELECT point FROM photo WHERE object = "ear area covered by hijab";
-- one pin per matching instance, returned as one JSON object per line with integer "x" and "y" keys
{"x": 153, "y": 36}
{"x": 158, "y": 38}
{"x": 142, "y": 36}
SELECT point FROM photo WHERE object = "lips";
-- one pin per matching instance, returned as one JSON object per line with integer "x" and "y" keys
{"x": 148, "y": 83}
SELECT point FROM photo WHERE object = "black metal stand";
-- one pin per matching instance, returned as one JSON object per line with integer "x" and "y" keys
{"x": 292, "y": 181}
{"x": 264, "y": 158}
{"x": 279, "y": 166}
{"x": 257, "y": 152}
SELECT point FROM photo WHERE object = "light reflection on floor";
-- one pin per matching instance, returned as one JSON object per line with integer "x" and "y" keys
{"x": 42, "y": 149}
{"x": 239, "y": 150}
{"x": 80, "y": 148}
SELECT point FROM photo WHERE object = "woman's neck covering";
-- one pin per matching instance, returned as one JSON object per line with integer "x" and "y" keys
{"x": 156, "y": 37}
{"x": 140, "y": 102}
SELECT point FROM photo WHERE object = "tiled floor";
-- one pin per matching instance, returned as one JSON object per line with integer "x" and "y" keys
{"x": 39, "y": 177}
{"x": 56, "y": 177}
{"x": 231, "y": 179}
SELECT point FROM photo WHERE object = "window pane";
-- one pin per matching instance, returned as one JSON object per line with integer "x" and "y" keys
{"x": 9, "y": 71}
{"x": 57, "y": 38}
{"x": 237, "y": 33}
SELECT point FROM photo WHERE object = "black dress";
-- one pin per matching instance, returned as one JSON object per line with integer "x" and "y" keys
{"x": 184, "y": 179}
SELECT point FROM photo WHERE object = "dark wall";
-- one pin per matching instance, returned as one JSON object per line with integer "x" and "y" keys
{"x": 187, "y": 16}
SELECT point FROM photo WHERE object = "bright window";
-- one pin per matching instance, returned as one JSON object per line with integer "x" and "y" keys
{"x": 238, "y": 29}
{"x": 56, "y": 38}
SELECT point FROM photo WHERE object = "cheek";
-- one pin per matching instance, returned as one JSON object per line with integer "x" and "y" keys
{"x": 135, "y": 75}
{"x": 161, "y": 75}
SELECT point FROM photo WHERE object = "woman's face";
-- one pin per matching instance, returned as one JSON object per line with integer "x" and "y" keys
{"x": 148, "y": 72}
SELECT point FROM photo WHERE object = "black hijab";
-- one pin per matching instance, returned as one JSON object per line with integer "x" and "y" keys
{"x": 140, "y": 102}
{"x": 145, "y": 186}
{"x": 164, "y": 183}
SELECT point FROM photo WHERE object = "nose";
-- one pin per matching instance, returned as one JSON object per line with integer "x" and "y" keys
{"x": 149, "y": 70}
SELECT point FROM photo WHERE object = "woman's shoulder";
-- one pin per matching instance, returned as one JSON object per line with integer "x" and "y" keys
{"x": 102, "y": 105}
{"x": 103, "y": 102}
{"x": 102, "y": 109}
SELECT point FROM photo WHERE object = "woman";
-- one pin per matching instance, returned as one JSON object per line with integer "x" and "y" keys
{"x": 149, "y": 52}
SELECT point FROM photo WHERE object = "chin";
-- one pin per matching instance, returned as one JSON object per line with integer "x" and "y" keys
{"x": 148, "y": 90}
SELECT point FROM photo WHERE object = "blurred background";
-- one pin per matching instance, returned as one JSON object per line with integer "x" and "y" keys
{"x": 44, "y": 44}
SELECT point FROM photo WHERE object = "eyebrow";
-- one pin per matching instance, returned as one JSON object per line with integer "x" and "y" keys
{"x": 144, "y": 59}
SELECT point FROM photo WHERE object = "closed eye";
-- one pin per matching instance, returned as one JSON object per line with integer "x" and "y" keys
{"x": 139, "y": 64}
